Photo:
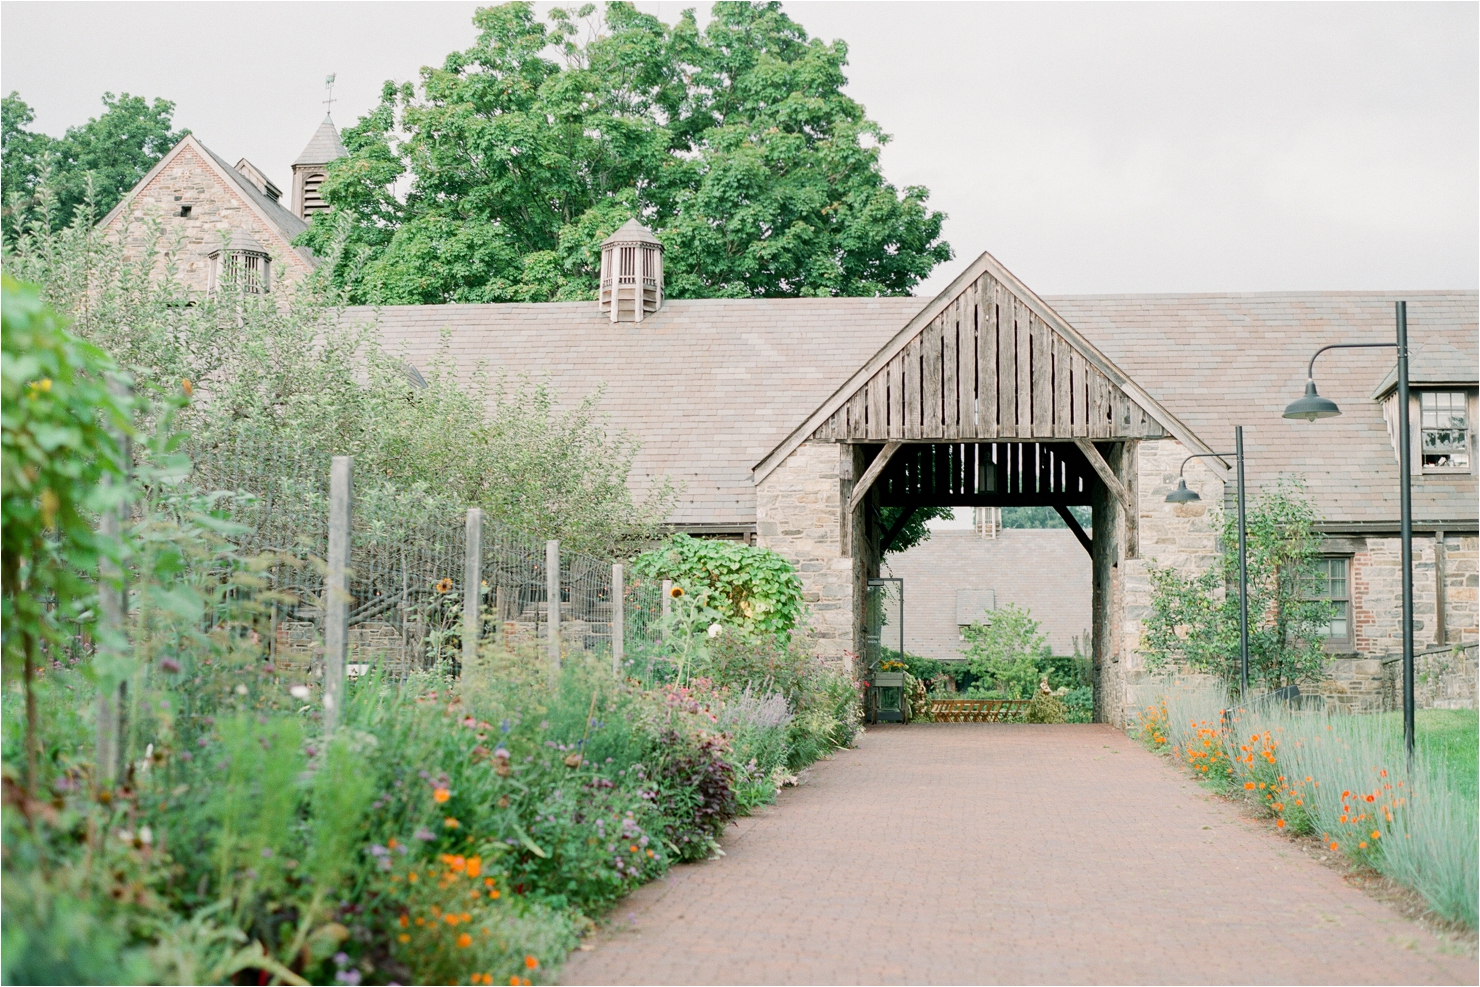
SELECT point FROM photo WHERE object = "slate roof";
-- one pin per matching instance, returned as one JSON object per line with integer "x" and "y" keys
{"x": 1219, "y": 360}
{"x": 708, "y": 385}
{"x": 324, "y": 146}
{"x": 287, "y": 224}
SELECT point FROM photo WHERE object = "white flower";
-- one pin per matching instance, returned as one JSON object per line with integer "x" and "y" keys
{"x": 715, "y": 630}
{"x": 241, "y": 690}
{"x": 299, "y": 692}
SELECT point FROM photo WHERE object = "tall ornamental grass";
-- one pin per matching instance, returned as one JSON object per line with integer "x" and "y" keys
{"x": 1343, "y": 778}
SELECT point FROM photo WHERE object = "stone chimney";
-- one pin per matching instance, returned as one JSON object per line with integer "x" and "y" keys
{"x": 631, "y": 273}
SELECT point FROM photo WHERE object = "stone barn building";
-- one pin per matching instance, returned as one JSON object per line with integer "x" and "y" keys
{"x": 790, "y": 422}
{"x": 222, "y": 220}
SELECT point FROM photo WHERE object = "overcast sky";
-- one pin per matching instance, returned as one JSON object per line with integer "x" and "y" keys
{"x": 1091, "y": 148}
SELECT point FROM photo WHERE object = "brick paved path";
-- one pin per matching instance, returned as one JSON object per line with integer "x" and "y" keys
{"x": 999, "y": 853}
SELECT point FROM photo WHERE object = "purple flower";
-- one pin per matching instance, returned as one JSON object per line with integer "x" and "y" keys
{"x": 187, "y": 756}
{"x": 203, "y": 742}
{"x": 351, "y": 977}
{"x": 341, "y": 959}
{"x": 504, "y": 726}
{"x": 266, "y": 852}
{"x": 169, "y": 665}
{"x": 423, "y": 834}
{"x": 501, "y": 751}
{"x": 376, "y": 850}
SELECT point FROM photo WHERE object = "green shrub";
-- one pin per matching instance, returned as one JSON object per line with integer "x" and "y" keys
{"x": 752, "y": 589}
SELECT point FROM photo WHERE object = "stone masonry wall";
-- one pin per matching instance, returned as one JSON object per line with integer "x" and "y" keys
{"x": 216, "y": 209}
{"x": 798, "y": 511}
{"x": 1182, "y": 536}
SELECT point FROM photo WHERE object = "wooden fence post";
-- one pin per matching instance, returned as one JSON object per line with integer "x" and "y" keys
{"x": 552, "y": 605}
{"x": 336, "y": 589}
{"x": 666, "y": 603}
{"x": 112, "y": 610}
{"x": 472, "y": 586}
{"x": 619, "y": 623}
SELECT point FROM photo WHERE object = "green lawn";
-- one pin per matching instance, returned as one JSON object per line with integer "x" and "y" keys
{"x": 1450, "y": 737}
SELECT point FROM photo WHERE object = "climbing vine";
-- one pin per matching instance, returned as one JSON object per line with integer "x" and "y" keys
{"x": 751, "y": 588}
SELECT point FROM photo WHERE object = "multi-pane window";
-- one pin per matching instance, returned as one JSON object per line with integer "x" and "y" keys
{"x": 1330, "y": 580}
{"x": 1445, "y": 430}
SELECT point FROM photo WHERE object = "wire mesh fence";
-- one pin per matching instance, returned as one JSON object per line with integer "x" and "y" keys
{"x": 408, "y": 567}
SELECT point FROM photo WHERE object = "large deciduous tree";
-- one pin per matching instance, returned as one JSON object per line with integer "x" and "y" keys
{"x": 99, "y": 160}
{"x": 736, "y": 144}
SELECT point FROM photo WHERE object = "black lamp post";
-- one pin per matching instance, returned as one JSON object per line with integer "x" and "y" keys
{"x": 1311, "y": 407}
{"x": 1182, "y": 495}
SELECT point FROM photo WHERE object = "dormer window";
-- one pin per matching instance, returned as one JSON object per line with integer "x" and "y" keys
{"x": 1444, "y": 424}
{"x": 248, "y": 271}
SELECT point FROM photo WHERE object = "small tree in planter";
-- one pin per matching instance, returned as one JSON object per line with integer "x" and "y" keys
{"x": 1193, "y": 622}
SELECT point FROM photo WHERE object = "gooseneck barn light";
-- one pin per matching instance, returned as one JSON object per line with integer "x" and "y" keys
{"x": 1311, "y": 407}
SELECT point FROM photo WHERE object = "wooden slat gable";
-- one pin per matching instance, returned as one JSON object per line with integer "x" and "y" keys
{"x": 988, "y": 366}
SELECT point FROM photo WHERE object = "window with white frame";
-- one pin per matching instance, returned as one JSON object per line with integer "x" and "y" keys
{"x": 1444, "y": 424}
{"x": 1330, "y": 580}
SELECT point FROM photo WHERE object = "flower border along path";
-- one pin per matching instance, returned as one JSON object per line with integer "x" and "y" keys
{"x": 1006, "y": 853}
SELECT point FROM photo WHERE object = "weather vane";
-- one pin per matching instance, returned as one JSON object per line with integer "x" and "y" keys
{"x": 329, "y": 85}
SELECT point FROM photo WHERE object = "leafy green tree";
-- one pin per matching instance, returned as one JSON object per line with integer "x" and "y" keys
{"x": 1194, "y": 621}
{"x": 914, "y": 531}
{"x": 735, "y": 144}
{"x": 61, "y": 422}
{"x": 23, "y": 155}
{"x": 95, "y": 162}
{"x": 293, "y": 374}
{"x": 1008, "y": 651}
{"x": 1042, "y": 517}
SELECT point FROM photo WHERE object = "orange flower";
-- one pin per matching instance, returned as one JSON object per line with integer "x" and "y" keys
{"x": 411, "y": 877}
{"x": 1375, "y": 834}
{"x": 444, "y": 585}
{"x": 441, "y": 795}
{"x": 186, "y": 386}
{"x": 531, "y": 962}
{"x": 1280, "y": 824}
{"x": 1333, "y": 845}
{"x": 450, "y": 823}
{"x": 405, "y": 921}
{"x": 513, "y": 982}
{"x": 475, "y": 866}
{"x": 464, "y": 941}
{"x": 1362, "y": 845}
{"x": 403, "y": 937}
{"x": 1370, "y": 798}
{"x": 493, "y": 893}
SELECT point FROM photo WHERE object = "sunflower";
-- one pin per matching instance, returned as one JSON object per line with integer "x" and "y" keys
{"x": 676, "y": 592}
{"x": 444, "y": 585}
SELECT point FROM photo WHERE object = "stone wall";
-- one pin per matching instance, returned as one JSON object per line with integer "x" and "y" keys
{"x": 1181, "y": 536}
{"x": 1377, "y": 592}
{"x": 1442, "y": 679}
{"x": 799, "y": 515}
{"x": 216, "y": 208}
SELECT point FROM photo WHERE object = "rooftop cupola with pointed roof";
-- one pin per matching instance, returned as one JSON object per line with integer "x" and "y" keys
{"x": 631, "y": 273}
{"x": 311, "y": 166}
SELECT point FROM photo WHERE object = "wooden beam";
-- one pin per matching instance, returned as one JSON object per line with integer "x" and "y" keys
{"x": 1113, "y": 484}
{"x": 861, "y": 488}
{"x": 1073, "y": 523}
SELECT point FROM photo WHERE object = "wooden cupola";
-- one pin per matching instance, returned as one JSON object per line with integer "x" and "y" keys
{"x": 631, "y": 273}
{"x": 311, "y": 168}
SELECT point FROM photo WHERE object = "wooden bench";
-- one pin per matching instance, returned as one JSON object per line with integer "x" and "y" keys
{"x": 977, "y": 710}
